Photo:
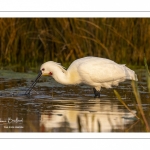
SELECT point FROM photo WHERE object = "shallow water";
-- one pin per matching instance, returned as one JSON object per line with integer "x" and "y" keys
{"x": 52, "y": 107}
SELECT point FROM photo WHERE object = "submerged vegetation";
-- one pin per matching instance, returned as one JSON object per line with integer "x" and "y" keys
{"x": 32, "y": 41}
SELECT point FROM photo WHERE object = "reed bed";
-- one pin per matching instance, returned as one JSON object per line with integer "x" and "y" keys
{"x": 32, "y": 41}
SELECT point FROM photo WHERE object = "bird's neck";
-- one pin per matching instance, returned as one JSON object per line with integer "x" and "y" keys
{"x": 61, "y": 77}
{"x": 67, "y": 77}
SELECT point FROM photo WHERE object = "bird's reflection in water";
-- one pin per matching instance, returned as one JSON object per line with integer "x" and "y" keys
{"x": 94, "y": 116}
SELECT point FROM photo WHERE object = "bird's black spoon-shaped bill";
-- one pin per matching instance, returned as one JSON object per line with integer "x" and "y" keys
{"x": 34, "y": 83}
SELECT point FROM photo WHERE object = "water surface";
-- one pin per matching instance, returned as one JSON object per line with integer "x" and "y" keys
{"x": 52, "y": 107}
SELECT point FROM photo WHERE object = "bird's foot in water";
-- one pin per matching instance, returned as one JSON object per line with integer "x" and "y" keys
{"x": 96, "y": 93}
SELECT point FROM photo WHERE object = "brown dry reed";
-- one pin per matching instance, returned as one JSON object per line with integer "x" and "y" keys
{"x": 32, "y": 41}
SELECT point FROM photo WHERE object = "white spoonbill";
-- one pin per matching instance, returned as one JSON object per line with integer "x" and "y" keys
{"x": 94, "y": 71}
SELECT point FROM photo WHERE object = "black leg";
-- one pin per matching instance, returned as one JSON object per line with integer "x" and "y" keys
{"x": 97, "y": 93}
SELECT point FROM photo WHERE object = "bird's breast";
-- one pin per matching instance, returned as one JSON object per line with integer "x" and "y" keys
{"x": 74, "y": 77}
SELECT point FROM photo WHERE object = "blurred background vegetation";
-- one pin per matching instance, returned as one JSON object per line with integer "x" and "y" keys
{"x": 28, "y": 42}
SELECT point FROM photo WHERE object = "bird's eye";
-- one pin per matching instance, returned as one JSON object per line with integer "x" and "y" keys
{"x": 43, "y": 69}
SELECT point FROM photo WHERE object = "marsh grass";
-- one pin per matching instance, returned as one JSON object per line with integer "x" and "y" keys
{"x": 140, "y": 112}
{"x": 139, "y": 104}
{"x": 139, "y": 109}
{"x": 120, "y": 99}
{"x": 28, "y": 42}
{"x": 147, "y": 74}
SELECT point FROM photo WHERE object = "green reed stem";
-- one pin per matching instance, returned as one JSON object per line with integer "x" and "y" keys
{"x": 138, "y": 99}
{"x": 120, "y": 99}
{"x": 146, "y": 66}
{"x": 148, "y": 74}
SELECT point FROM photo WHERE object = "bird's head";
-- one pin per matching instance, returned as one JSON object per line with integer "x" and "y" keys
{"x": 46, "y": 69}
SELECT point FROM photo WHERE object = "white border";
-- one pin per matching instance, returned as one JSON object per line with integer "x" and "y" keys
{"x": 74, "y": 5}
{"x": 74, "y": 8}
{"x": 72, "y": 14}
{"x": 72, "y": 135}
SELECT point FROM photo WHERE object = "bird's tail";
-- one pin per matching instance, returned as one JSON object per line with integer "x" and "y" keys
{"x": 130, "y": 74}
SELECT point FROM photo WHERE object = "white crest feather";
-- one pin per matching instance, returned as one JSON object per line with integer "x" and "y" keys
{"x": 61, "y": 67}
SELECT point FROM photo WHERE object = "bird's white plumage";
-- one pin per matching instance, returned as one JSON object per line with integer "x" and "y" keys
{"x": 94, "y": 71}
